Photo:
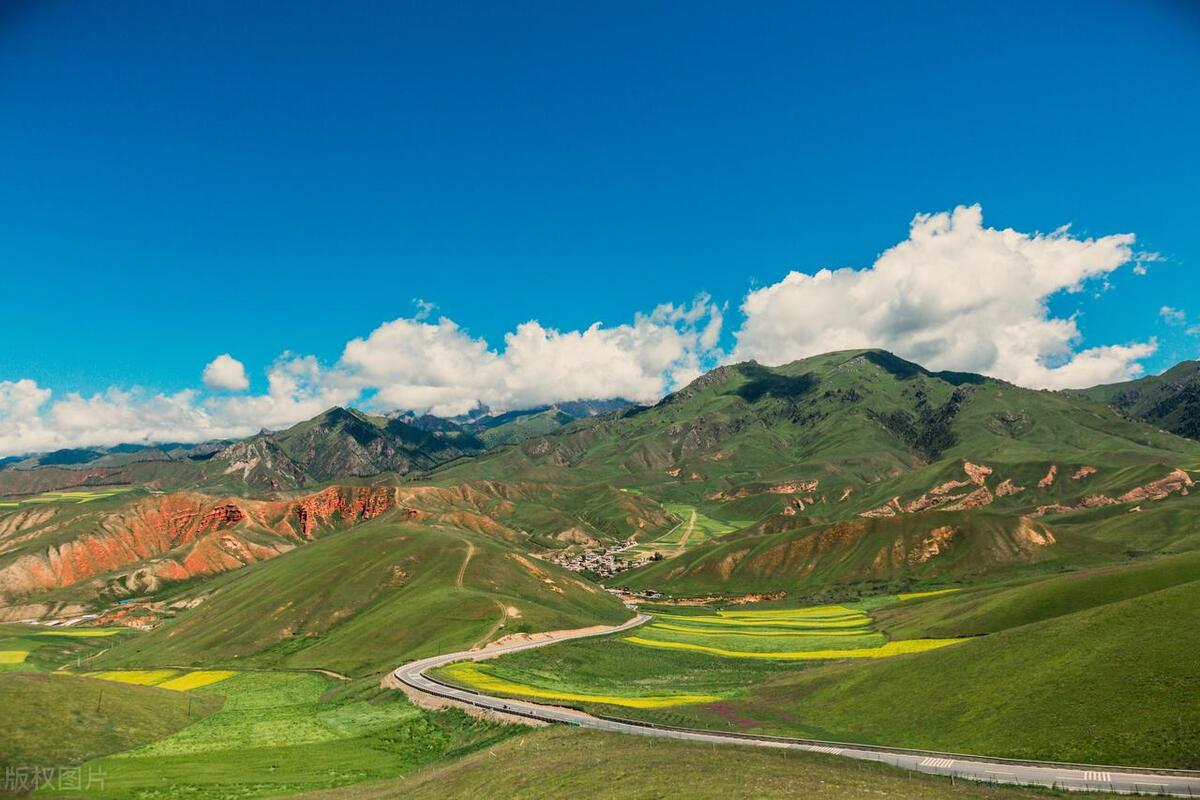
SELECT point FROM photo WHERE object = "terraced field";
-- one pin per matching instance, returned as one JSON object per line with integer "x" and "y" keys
{"x": 817, "y": 633}
{"x": 704, "y": 639}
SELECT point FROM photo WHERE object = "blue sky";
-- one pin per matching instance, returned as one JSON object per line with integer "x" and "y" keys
{"x": 182, "y": 180}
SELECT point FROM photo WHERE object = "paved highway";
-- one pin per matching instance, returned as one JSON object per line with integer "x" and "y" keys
{"x": 977, "y": 768}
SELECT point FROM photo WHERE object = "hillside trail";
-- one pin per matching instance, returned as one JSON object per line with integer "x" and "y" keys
{"x": 500, "y": 623}
{"x": 687, "y": 533}
{"x": 462, "y": 570}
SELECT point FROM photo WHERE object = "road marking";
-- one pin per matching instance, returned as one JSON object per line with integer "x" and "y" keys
{"x": 937, "y": 763}
{"x": 1103, "y": 777}
{"x": 833, "y": 751}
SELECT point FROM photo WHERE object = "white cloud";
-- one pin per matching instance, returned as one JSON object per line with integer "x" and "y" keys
{"x": 954, "y": 295}
{"x": 439, "y": 367}
{"x": 226, "y": 373}
{"x": 1172, "y": 316}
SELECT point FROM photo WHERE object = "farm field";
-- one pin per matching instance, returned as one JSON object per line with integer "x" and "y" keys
{"x": 699, "y": 639}
{"x": 280, "y": 733}
{"x": 66, "y": 497}
{"x": 31, "y": 648}
{"x": 176, "y": 680}
{"x": 694, "y": 528}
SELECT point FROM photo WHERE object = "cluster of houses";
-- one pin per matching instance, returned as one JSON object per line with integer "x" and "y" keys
{"x": 604, "y": 562}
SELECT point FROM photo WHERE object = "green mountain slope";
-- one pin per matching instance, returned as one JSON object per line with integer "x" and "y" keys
{"x": 1170, "y": 401}
{"x": 373, "y": 597}
{"x": 1106, "y": 685}
{"x": 835, "y": 439}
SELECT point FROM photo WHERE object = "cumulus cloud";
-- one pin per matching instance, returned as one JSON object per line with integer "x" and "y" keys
{"x": 954, "y": 295}
{"x": 439, "y": 367}
{"x": 226, "y": 373}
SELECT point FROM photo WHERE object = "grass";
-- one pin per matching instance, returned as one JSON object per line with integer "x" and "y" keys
{"x": 281, "y": 733}
{"x": 566, "y": 764}
{"x": 988, "y": 609}
{"x": 55, "y": 721}
{"x": 368, "y": 599}
{"x": 477, "y": 676}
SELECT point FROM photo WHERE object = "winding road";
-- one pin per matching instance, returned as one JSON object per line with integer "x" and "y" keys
{"x": 1082, "y": 777}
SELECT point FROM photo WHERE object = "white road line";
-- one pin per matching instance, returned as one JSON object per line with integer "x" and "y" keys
{"x": 1103, "y": 777}
{"x": 937, "y": 763}
{"x": 833, "y": 751}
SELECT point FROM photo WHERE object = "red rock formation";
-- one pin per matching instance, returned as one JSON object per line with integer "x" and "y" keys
{"x": 176, "y": 537}
{"x": 352, "y": 504}
{"x": 977, "y": 499}
{"x": 976, "y": 472}
{"x": 1083, "y": 472}
{"x": 932, "y": 545}
{"x": 794, "y": 487}
{"x": 1007, "y": 488}
{"x": 1176, "y": 481}
{"x": 1048, "y": 479}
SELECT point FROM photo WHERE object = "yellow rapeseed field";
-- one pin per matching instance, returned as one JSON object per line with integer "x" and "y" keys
{"x": 85, "y": 633}
{"x": 857, "y": 621}
{"x": 883, "y": 651}
{"x": 666, "y": 626}
{"x": 141, "y": 677}
{"x": 811, "y": 611}
{"x": 196, "y": 680}
{"x": 918, "y": 595}
{"x": 13, "y": 656}
{"x": 471, "y": 674}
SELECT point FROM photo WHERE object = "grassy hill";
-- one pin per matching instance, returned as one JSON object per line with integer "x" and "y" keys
{"x": 1170, "y": 401}
{"x": 567, "y": 764}
{"x": 1106, "y": 685}
{"x": 370, "y": 598}
{"x": 55, "y": 721}
{"x": 280, "y": 733}
{"x": 868, "y": 554}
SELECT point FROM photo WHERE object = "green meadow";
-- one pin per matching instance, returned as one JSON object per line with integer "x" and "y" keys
{"x": 279, "y": 733}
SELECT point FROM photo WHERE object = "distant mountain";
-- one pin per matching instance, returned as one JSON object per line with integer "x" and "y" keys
{"x": 118, "y": 455}
{"x": 343, "y": 443}
{"x": 338, "y": 444}
{"x": 513, "y": 427}
{"x": 1170, "y": 401}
